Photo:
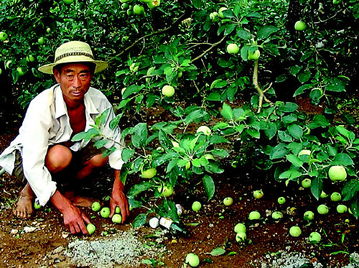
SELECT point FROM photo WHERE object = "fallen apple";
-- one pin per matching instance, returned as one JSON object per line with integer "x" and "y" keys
{"x": 168, "y": 90}
{"x": 149, "y": 173}
{"x": 257, "y": 194}
{"x": 90, "y": 228}
{"x": 36, "y": 205}
{"x": 300, "y": 25}
{"x": 117, "y": 210}
{"x": 240, "y": 227}
{"x": 153, "y": 222}
{"x": 205, "y": 130}
{"x": 96, "y": 206}
{"x": 228, "y": 201}
{"x": 323, "y": 209}
{"x": 254, "y": 215}
{"x": 232, "y": 48}
{"x": 281, "y": 200}
{"x": 105, "y": 212}
{"x": 196, "y": 206}
{"x": 314, "y": 237}
{"x": 166, "y": 190}
{"x": 295, "y": 231}
{"x": 276, "y": 215}
{"x": 308, "y": 215}
{"x": 306, "y": 183}
{"x": 116, "y": 218}
{"x": 241, "y": 237}
{"x": 335, "y": 197}
{"x": 192, "y": 259}
{"x": 342, "y": 208}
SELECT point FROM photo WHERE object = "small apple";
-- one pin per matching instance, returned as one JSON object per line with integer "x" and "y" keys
{"x": 96, "y": 206}
{"x": 41, "y": 40}
{"x": 254, "y": 215}
{"x": 254, "y": 55}
{"x": 240, "y": 227}
{"x": 257, "y": 194}
{"x": 342, "y": 208}
{"x": 168, "y": 90}
{"x": 228, "y": 201}
{"x": 213, "y": 16}
{"x": 166, "y": 190}
{"x": 149, "y": 173}
{"x": 138, "y": 9}
{"x": 314, "y": 237}
{"x": 220, "y": 12}
{"x": 3, "y": 36}
{"x": 241, "y": 237}
{"x": 117, "y": 210}
{"x": 196, "y": 206}
{"x": 308, "y": 215}
{"x": 37, "y": 205}
{"x": 276, "y": 215}
{"x": 337, "y": 173}
{"x": 335, "y": 197}
{"x": 322, "y": 209}
{"x": 300, "y": 25}
{"x": 295, "y": 231}
{"x": 154, "y": 222}
{"x": 205, "y": 130}
{"x": 90, "y": 228}
{"x": 232, "y": 48}
{"x": 116, "y": 218}
{"x": 192, "y": 259}
{"x": 306, "y": 183}
{"x": 105, "y": 212}
{"x": 281, "y": 200}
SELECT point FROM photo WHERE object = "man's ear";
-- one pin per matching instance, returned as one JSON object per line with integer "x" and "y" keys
{"x": 57, "y": 75}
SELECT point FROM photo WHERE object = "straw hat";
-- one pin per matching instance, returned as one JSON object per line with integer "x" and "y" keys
{"x": 71, "y": 52}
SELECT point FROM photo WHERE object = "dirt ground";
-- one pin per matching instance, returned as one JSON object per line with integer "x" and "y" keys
{"x": 42, "y": 240}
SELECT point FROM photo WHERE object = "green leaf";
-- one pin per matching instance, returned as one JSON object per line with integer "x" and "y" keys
{"x": 253, "y": 133}
{"x": 244, "y": 34}
{"x": 101, "y": 119}
{"x": 284, "y": 136}
{"x": 214, "y": 96}
{"x": 294, "y": 160}
{"x": 265, "y": 31}
{"x": 222, "y": 153}
{"x": 317, "y": 187}
{"x": 131, "y": 90}
{"x": 115, "y": 121}
{"x": 346, "y": 133}
{"x": 295, "y": 131}
{"x": 197, "y": 3}
{"x": 300, "y": 90}
{"x": 100, "y": 143}
{"x": 139, "y": 188}
{"x": 140, "y": 220}
{"x": 87, "y": 135}
{"x": 350, "y": 190}
{"x": 227, "y": 111}
{"x": 290, "y": 174}
{"x": 219, "y": 83}
{"x": 342, "y": 159}
{"x": 218, "y": 252}
{"x": 278, "y": 151}
{"x": 140, "y": 134}
{"x": 195, "y": 116}
{"x": 127, "y": 154}
{"x": 209, "y": 186}
{"x": 335, "y": 85}
{"x": 318, "y": 121}
{"x": 289, "y": 107}
{"x": 271, "y": 130}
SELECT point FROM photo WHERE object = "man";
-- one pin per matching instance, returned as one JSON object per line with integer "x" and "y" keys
{"x": 43, "y": 153}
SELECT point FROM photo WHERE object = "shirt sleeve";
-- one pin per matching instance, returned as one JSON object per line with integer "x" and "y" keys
{"x": 35, "y": 133}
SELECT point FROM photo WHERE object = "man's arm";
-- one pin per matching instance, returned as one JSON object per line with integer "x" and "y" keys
{"x": 74, "y": 218}
{"x": 118, "y": 197}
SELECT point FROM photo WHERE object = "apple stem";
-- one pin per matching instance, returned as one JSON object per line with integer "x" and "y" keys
{"x": 257, "y": 87}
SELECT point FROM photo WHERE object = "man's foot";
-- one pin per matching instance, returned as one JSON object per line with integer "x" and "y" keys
{"x": 79, "y": 201}
{"x": 24, "y": 206}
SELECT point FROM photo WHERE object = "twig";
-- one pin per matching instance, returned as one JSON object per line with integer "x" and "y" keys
{"x": 209, "y": 49}
{"x": 257, "y": 87}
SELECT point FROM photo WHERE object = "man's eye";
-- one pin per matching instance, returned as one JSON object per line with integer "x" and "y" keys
{"x": 70, "y": 76}
{"x": 84, "y": 76}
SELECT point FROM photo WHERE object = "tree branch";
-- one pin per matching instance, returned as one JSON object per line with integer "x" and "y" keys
{"x": 257, "y": 87}
{"x": 209, "y": 49}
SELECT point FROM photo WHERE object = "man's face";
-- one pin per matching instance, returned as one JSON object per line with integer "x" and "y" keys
{"x": 74, "y": 80}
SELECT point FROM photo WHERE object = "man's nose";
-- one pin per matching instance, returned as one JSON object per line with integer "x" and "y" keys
{"x": 77, "y": 81}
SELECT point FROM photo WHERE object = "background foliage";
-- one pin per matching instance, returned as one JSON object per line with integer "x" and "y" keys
{"x": 251, "y": 106}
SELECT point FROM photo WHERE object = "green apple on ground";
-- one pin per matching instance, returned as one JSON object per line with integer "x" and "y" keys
{"x": 254, "y": 215}
{"x": 149, "y": 173}
{"x": 257, "y": 194}
{"x": 192, "y": 259}
{"x": 337, "y": 173}
{"x": 90, "y": 228}
{"x": 117, "y": 210}
{"x": 241, "y": 237}
{"x": 335, "y": 197}
{"x": 96, "y": 206}
{"x": 116, "y": 218}
{"x": 306, "y": 183}
{"x": 232, "y": 48}
{"x": 342, "y": 208}
{"x": 220, "y": 12}
{"x": 314, "y": 237}
{"x": 240, "y": 227}
{"x": 228, "y": 201}
{"x": 276, "y": 215}
{"x": 308, "y": 215}
{"x": 168, "y": 91}
{"x": 300, "y": 25}
{"x": 166, "y": 190}
{"x": 205, "y": 130}
{"x": 254, "y": 55}
{"x": 196, "y": 206}
{"x": 105, "y": 212}
{"x": 295, "y": 231}
{"x": 281, "y": 200}
{"x": 323, "y": 209}
{"x": 37, "y": 205}
{"x": 3, "y": 36}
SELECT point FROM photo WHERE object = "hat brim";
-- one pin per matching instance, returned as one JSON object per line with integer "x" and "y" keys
{"x": 49, "y": 68}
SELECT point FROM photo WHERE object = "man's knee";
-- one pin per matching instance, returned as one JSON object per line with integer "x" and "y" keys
{"x": 58, "y": 158}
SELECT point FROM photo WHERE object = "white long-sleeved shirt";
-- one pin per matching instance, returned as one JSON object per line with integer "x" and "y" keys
{"x": 47, "y": 123}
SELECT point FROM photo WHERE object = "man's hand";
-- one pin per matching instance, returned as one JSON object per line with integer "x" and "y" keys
{"x": 74, "y": 218}
{"x": 119, "y": 199}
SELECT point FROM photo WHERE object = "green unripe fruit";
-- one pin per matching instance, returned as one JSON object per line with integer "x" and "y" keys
{"x": 168, "y": 91}
{"x": 254, "y": 55}
{"x": 205, "y": 130}
{"x": 138, "y": 9}
{"x": 306, "y": 183}
{"x": 342, "y": 208}
{"x": 149, "y": 173}
{"x": 105, "y": 212}
{"x": 281, "y": 200}
{"x": 228, "y": 201}
{"x": 153, "y": 3}
{"x": 166, "y": 191}
{"x": 233, "y": 48}
{"x": 314, "y": 237}
{"x": 337, "y": 173}
{"x": 3, "y": 36}
{"x": 41, "y": 40}
{"x": 295, "y": 231}
{"x": 213, "y": 16}
{"x": 240, "y": 227}
{"x": 241, "y": 237}
{"x": 276, "y": 215}
{"x": 192, "y": 259}
{"x": 37, "y": 205}
{"x": 308, "y": 215}
{"x": 196, "y": 206}
{"x": 117, "y": 210}
{"x": 257, "y": 194}
{"x": 254, "y": 215}
{"x": 116, "y": 218}
{"x": 300, "y": 25}
{"x": 335, "y": 197}
{"x": 90, "y": 228}
{"x": 322, "y": 209}
{"x": 96, "y": 206}
{"x": 337, "y": 2}
{"x": 323, "y": 195}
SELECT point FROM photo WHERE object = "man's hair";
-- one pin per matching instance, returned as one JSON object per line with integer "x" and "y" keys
{"x": 89, "y": 64}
